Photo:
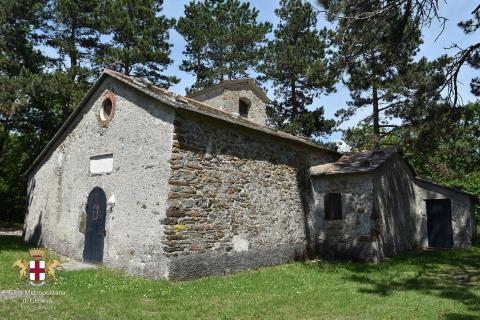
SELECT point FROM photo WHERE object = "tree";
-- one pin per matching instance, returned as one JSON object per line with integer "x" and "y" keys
{"x": 360, "y": 137}
{"x": 297, "y": 61}
{"x": 378, "y": 63}
{"x": 421, "y": 114}
{"x": 447, "y": 147}
{"x": 17, "y": 57}
{"x": 73, "y": 30}
{"x": 18, "y": 61}
{"x": 223, "y": 40}
{"x": 443, "y": 144}
{"x": 139, "y": 40}
{"x": 17, "y": 38}
{"x": 470, "y": 55}
{"x": 423, "y": 13}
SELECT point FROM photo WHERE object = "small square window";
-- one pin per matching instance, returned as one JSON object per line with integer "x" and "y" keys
{"x": 243, "y": 107}
{"x": 333, "y": 206}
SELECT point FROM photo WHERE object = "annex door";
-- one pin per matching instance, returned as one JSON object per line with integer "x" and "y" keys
{"x": 439, "y": 223}
{"x": 95, "y": 228}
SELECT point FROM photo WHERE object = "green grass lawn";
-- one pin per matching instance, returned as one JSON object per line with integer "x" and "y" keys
{"x": 418, "y": 285}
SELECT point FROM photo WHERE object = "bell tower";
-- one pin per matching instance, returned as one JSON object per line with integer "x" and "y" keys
{"x": 242, "y": 98}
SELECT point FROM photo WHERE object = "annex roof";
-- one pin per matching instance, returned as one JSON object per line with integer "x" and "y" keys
{"x": 354, "y": 162}
{"x": 369, "y": 161}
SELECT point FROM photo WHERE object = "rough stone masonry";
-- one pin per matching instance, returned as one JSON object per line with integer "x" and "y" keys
{"x": 235, "y": 200}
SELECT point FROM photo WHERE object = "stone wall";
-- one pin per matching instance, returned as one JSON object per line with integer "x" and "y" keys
{"x": 227, "y": 96}
{"x": 352, "y": 237}
{"x": 400, "y": 199}
{"x": 384, "y": 213}
{"x": 235, "y": 199}
{"x": 463, "y": 212}
{"x": 139, "y": 137}
{"x": 400, "y": 223}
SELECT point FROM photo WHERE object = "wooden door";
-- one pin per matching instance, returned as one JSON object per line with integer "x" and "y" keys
{"x": 95, "y": 228}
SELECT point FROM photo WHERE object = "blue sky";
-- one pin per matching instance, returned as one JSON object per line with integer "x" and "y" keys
{"x": 454, "y": 11}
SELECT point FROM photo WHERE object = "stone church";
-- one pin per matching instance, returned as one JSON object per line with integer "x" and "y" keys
{"x": 165, "y": 186}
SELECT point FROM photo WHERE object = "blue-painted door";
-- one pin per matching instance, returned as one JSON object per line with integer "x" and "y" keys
{"x": 95, "y": 228}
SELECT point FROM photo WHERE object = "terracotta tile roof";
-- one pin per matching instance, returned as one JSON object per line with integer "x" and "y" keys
{"x": 180, "y": 103}
{"x": 192, "y": 105}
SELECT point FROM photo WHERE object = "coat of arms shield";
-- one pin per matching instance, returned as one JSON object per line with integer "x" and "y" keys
{"x": 37, "y": 267}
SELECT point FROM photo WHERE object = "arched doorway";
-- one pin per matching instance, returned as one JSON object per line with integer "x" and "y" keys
{"x": 95, "y": 228}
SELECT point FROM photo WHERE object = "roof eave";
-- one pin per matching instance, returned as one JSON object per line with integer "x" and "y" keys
{"x": 375, "y": 169}
{"x": 183, "y": 103}
{"x": 249, "y": 81}
{"x": 65, "y": 124}
{"x": 170, "y": 99}
{"x": 474, "y": 197}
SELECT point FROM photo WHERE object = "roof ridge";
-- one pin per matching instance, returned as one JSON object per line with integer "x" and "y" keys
{"x": 176, "y": 101}
{"x": 255, "y": 87}
{"x": 187, "y": 100}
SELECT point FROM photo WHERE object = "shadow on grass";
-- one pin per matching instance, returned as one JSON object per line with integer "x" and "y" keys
{"x": 449, "y": 274}
{"x": 12, "y": 243}
{"x": 459, "y": 316}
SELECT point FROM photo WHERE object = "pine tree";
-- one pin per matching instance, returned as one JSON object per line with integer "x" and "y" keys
{"x": 223, "y": 40}
{"x": 139, "y": 40}
{"x": 377, "y": 61}
{"x": 297, "y": 61}
{"x": 18, "y": 19}
{"x": 418, "y": 107}
{"x": 19, "y": 61}
{"x": 17, "y": 56}
{"x": 422, "y": 13}
{"x": 471, "y": 55}
{"x": 72, "y": 29}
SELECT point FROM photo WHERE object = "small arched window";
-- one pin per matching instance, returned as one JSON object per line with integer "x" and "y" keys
{"x": 243, "y": 108}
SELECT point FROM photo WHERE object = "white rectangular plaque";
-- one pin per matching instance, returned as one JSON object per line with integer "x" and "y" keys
{"x": 101, "y": 164}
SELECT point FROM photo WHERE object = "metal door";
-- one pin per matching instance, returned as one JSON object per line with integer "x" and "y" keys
{"x": 439, "y": 223}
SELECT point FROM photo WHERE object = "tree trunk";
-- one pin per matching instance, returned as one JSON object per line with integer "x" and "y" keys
{"x": 7, "y": 127}
{"x": 73, "y": 47}
{"x": 65, "y": 107}
{"x": 376, "y": 119}
{"x": 293, "y": 89}
{"x": 73, "y": 53}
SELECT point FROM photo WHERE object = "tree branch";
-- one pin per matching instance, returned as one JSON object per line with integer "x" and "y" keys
{"x": 454, "y": 69}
